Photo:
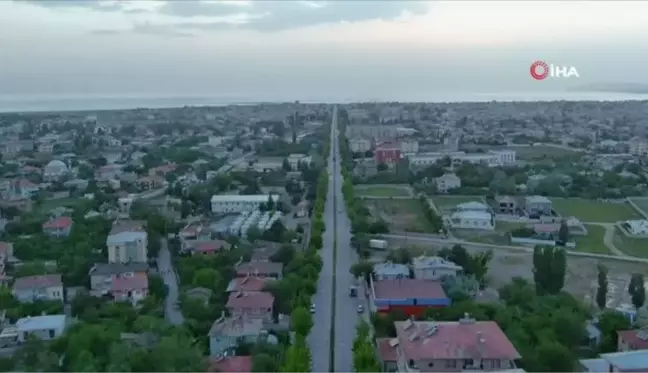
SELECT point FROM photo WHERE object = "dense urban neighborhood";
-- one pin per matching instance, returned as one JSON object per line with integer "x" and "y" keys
{"x": 396, "y": 237}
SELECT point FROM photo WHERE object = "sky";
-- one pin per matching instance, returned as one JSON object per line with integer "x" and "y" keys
{"x": 330, "y": 50}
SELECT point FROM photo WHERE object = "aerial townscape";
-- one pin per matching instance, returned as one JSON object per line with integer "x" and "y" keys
{"x": 367, "y": 237}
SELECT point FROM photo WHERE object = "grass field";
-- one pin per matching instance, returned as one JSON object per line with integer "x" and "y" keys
{"x": 400, "y": 214}
{"x": 593, "y": 242}
{"x": 642, "y": 203}
{"x": 51, "y": 204}
{"x": 593, "y": 211}
{"x": 382, "y": 191}
{"x": 632, "y": 246}
{"x": 538, "y": 152}
{"x": 450, "y": 202}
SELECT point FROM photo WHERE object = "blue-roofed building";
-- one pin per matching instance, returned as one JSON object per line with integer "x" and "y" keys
{"x": 627, "y": 361}
{"x": 389, "y": 270}
{"x": 46, "y": 327}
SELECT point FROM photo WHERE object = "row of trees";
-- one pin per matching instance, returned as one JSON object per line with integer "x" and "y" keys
{"x": 298, "y": 287}
{"x": 431, "y": 215}
{"x": 364, "y": 355}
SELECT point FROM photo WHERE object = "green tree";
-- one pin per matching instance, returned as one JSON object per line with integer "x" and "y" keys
{"x": 301, "y": 321}
{"x": 264, "y": 363}
{"x": 297, "y": 357}
{"x": 563, "y": 232}
{"x": 208, "y": 278}
{"x": 549, "y": 267}
{"x": 602, "y": 290}
{"x": 610, "y": 322}
{"x": 637, "y": 290}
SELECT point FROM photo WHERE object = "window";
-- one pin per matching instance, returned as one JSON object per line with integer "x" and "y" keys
{"x": 51, "y": 333}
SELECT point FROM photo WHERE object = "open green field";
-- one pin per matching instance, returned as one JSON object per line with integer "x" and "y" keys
{"x": 642, "y": 203}
{"x": 400, "y": 214}
{"x": 450, "y": 202}
{"x": 632, "y": 246}
{"x": 382, "y": 191}
{"x": 593, "y": 211}
{"x": 543, "y": 151}
{"x": 593, "y": 242}
{"x": 485, "y": 237}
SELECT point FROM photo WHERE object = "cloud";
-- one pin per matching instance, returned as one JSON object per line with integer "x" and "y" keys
{"x": 98, "y": 5}
{"x": 280, "y": 15}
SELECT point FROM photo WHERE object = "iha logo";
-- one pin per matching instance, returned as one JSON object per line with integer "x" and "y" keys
{"x": 540, "y": 70}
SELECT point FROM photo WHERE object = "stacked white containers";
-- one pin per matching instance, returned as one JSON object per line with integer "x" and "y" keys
{"x": 235, "y": 227}
{"x": 277, "y": 215}
{"x": 252, "y": 219}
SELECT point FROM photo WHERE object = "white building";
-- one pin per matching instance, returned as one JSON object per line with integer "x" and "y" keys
{"x": 409, "y": 146}
{"x": 55, "y": 170}
{"x": 637, "y": 227}
{"x": 638, "y": 146}
{"x": 491, "y": 159}
{"x": 295, "y": 159}
{"x": 44, "y": 327}
{"x": 471, "y": 219}
{"x": 434, "y": 268}
{"x": 222, "y": 204}
{"x": 359, "y": 144}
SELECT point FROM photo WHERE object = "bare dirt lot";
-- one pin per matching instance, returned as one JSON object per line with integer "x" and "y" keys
{"x": 402, "y": 215}
{"x": 581, "y": 272}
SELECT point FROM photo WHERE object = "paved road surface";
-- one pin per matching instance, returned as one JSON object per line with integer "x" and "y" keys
{"x": 319, "y": 337}
{"x": 165, "y": 266}
{"x": 346, "y": 314}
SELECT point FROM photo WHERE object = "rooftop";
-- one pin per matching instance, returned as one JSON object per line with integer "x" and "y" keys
{"x": 61, "y": 222}
{"x": 259, "y": 267}
{"x": 260, "y": 198}
{"x": 628, "y": 360}
{"x": 41, "y": 322}
{"x": 42, "y": 281}
{"x": 433, "y": 261}
{"x": 104, "y": 269}
{"x": 248, "y": 283}
{"x": 465, "y": 339}
{"x": 235, "y": 364}
{"x": 393, "y": 269}
{"x": 407, "y": 288}
{"x": 254, "y": 299}
{"x": 636, "y": 339}
{"x": 236, "y": 326}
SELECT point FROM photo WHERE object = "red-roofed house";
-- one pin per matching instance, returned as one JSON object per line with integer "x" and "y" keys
{"x": 451, "y": 346}
{"x": 412, "y": 296}
{"x": 207, "y": 247}
{"x": 247, "y": 284}
{"x": 235, "y": 364}
{"x": 630, "y": 340}
{"x": 59, "y": 227}
{"x": 387, "y": 354}
{"x": 388, "y": 153}
{"x": 251, "y": 305}
{"x": 131, "y": 287}
{"x": 22, "y": 188}
{"x": 163, "y": 170}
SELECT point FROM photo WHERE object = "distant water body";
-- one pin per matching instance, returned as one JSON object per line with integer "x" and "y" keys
{"x": 23, "y": 103}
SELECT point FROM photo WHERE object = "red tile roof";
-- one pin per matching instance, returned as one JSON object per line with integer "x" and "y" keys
{"x": 37, "y": 282}
{"x": 260, "y": 268}
{"x": 235, "y": 364}
{"x": 121, "y": 226}
{"x": 632, "y": 339}
{"x": 138, "y": 281}
{"x": 62, "y": 222}
{"x": 408, "y": 288}
{"x": 5, "y": 248}
{"x": 386, "y": 352}
{"x": 210, "y": 246}
{"x": 248, "y": 284}
{"x": 243, "y": 300}
{"x": 454, "y": 340}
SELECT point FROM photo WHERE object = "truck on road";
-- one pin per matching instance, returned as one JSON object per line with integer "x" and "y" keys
{"x": 378, "y": 244}
{"x": 353, "y": 291}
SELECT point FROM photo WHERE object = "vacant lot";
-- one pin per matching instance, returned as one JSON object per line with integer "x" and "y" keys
{"x": 581, "y": 272}
{"x": 382, "y": 191}
{"x": 447, "y": 203}
{"x": 632, "y": 246}
{"x": 51, "y": 204}
{"x": 593, "y": 211}
{"x": 642, "y": 203}
{"x": 593, "y": 242}
{"x": 401, "y": 214}
{"x": 540, "y": 152}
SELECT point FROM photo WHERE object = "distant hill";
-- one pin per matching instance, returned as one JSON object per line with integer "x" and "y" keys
{"x": 615, "y": 87}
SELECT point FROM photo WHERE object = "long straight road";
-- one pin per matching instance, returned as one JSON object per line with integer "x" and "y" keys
{"x": 165, "y": 266}
{"x": 319, "y": 338}
{"x": 346, "y": 314}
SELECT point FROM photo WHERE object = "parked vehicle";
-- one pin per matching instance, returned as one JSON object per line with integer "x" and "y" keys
{"x": 378, "y": 244}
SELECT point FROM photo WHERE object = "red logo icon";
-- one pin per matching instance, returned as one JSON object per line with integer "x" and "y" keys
{"x": 539, "y": 70}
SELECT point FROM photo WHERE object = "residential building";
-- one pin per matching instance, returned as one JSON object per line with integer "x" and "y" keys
{"x": 447, "y": 182}
{"x": 409, "y": 146}
{"x": 223, "y": 204}
{"x": 630, "y": 340}
{"x": 295, "y": 159}
{"x": 434, "y": 268}
{"x": 492, "y": 158}
{"x": 106, "y": 279}
{"x": 46, "y": 327}
{"x": 471, "y": 219}
{"x": 58, "y": 227}
{"x": 389, "y": 270}
{"x": 108, "y": 172}
{"x": 360, "y": 145}
{"x": 638, "y": 146}
{"x": 127, "y": 242}
{"x": 263, "y": 269}
{"x": 42, "y": 287}
{"x": 625, "y": 361}
{"x": 388, "y": 153}
{"x": 412, "y": 296}
{"x": 506, "y": 205}
{"x": 466, "y": 345}
{"x": 247, "y": 284}
{"x": 130, "y": 287}
{"x": 537, "y": 206}
{"x": 227, "y": 332}
{"x": 206, "y": 247}
{"x": 231, "y": 364}
{"x": 371, "y": 131}
{"x": 255, "y": 304}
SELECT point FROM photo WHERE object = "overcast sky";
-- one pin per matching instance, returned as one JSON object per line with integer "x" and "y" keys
{"x": 311, "y": 49}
